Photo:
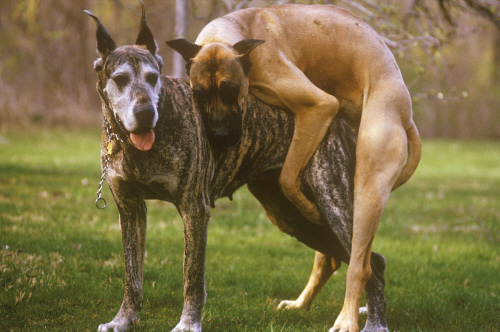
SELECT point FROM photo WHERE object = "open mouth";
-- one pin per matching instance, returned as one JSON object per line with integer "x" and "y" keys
{"x": 143, "y": 140}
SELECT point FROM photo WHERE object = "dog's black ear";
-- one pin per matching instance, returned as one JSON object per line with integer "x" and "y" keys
{"x": 185, "y": 48}
{"x": 246, "y": 45}
{"x": 146, "y": 39}
{"x": 243, "y": 47}
{"x": 105, "y": 43}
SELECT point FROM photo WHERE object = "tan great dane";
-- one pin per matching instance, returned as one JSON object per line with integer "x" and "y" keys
{"x": 315, "y": 61}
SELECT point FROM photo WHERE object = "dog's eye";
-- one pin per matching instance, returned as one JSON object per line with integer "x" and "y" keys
{"x": 152, "y": 79}
{"x": 121, "y": 80}
{"x": 229, "y": 92}
{"x": 201, "y": 95}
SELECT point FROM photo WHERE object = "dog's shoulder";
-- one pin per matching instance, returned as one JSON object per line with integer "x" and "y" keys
{"x": 176, "y": 87}
{"x": 176, "y": 110}
{"x": 176, "y": 95}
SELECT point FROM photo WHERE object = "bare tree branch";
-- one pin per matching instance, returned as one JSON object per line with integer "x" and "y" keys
{"x": 490, "y": 11}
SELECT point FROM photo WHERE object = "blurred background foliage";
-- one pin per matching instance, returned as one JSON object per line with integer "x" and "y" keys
{"x": 448, "y": 50}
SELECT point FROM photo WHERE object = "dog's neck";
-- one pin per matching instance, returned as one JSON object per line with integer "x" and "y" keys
{"x": 232, "y": 20}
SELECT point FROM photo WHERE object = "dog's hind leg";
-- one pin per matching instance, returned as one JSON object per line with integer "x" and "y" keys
{"x": 381, "y": 153}
{"x": 133, "y": 231}
{"x": 323, "y": 268}
{"x": 287, "y": 218}
{"x": 376, "y": 321}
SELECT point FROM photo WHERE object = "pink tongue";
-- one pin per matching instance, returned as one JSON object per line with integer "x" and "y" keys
{"x": 144, "y": 141}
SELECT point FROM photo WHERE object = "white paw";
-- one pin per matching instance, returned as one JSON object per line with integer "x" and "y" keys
{"x": 288, "y": 305}
{"x": 363, "y": 311}
{"x": 375, "y": 328}
{"x": 117, "y": 325}
{"x": 187, "y": 327}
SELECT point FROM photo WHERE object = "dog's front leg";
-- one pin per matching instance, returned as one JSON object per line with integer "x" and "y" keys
{"x": 323, "y": 268}
{"x": 133, "y": 230}
{"x": 195, "y": 244}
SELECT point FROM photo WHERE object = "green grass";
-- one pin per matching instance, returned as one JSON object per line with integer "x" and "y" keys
{"x": 61, "y": 259}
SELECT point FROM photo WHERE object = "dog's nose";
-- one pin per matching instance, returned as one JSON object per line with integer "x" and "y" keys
{"x": 221, "y": 132}
{"x": 222, "y": 138}
{"x": 145, "y": 115}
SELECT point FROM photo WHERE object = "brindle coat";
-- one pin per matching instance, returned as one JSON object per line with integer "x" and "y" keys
{"x": 182, "y": 168}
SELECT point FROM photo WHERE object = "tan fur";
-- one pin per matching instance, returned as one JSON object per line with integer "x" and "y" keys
{"x": 317, "y": 61}
{"x": 323, "y": 268}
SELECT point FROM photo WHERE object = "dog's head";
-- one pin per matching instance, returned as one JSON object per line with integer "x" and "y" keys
{"x": 129, "y": 82}
{"x": 219, "y": 78}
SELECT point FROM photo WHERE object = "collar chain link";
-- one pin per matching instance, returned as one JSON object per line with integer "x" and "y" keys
{"x": 100, "y": 202}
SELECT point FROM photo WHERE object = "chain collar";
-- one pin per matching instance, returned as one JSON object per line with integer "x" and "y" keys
{"x": 100, "y": 202}
{"x": 232, "y": 20}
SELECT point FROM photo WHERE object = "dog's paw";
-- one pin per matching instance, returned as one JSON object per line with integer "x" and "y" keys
{"x": 123, "y": 321}
{"x": 289, "y": 305}
{"x": 343, "y": 329}
{"x": 375, "y": 328}
{"x": 345, "y": 323}
{"x": 116, "y": 326}
{"x": 187, "y": 327}
{"x": 111, "y": 327}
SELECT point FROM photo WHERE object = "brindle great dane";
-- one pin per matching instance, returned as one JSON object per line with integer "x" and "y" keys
{"x": 154, "y": 146}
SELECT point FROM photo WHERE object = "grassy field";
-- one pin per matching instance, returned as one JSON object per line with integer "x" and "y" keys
{"x": 61, "y": 259}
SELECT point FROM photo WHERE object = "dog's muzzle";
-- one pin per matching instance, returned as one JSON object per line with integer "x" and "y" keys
{"x": 143, "y": 136}
{"x": 223, "y": 131}
{"x": 222, "y": 138}
{"x": 144, "y": 115}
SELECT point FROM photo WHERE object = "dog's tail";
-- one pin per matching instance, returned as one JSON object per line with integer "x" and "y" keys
{"x": 414, "y": 153}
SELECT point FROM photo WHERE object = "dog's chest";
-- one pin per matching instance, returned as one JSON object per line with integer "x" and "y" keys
{"x": 144, "y": 176}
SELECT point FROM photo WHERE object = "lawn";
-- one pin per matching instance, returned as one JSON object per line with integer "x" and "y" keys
{"x": 61, "y": 263}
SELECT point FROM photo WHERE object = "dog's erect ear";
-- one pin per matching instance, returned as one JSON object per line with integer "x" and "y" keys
{"x": 185, "y": 48}
{"x": 105, "y": 43}
{"x": 145, "y": 38}
{"x": 243, "y": 47}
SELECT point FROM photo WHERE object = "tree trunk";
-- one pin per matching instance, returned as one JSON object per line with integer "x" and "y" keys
{"x": 496, "y": 56}
{"x": 181, "y": 24}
